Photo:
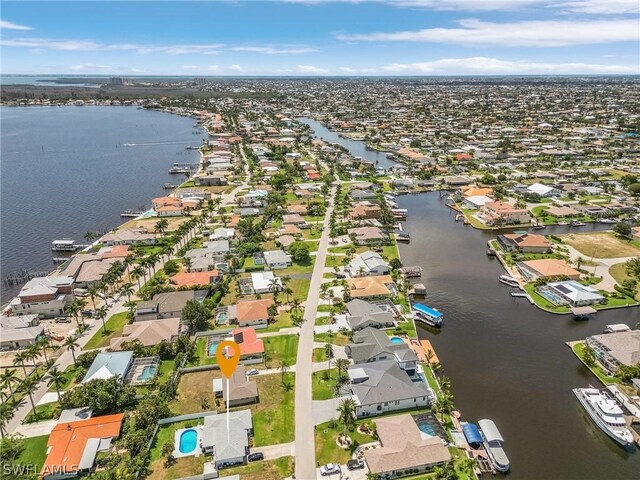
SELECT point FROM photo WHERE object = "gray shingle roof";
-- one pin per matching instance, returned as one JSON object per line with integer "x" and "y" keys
{"x": 386, "y": 382}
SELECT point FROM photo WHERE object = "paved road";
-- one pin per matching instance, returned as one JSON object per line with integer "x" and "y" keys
{"x": 271, "y": 452}
{"x": 305, "y": 442}
{"x": 601, "y": 269}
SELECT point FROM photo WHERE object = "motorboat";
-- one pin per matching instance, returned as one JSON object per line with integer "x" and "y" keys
{"x": 606, "y": 413}
{"x": 427, "y": 315}
{"x": 576, "y": 223}
{"x": 509, "y": 280}
{"x": 492, "y": 441}
{"x": 607, "y": 220}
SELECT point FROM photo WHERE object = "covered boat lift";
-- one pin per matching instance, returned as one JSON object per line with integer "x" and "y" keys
{"x": 583, "y": 313}
{"x": 428, "y": 315}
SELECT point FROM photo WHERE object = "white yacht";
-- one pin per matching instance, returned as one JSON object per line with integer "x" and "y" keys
{"x": 492, "y": 441}
{"x": 606, "y": 413}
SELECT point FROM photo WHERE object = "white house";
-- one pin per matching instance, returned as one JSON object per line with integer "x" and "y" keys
{"x": 277, "y": 259}
{"x": 262, "y": 281}
{"x": 366, "y": 264}
{"x": 543, "y": 190}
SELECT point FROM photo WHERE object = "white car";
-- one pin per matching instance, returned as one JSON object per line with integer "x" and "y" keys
{"x": 253, "y": 371}
{"x": 329, "y": 469}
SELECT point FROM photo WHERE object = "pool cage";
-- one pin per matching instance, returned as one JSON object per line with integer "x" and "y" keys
{"x": 143, "y": 370}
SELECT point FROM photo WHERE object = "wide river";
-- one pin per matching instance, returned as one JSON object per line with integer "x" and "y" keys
{"x": 65, "y": 171}
{"x": 507, "y": 359}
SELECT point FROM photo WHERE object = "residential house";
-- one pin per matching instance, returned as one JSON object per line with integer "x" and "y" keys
{"x": 109, "y": 364}
{"x": 368, "y": 235}
{"x": 277, "y": 259}
{"x": 217, "y": 247}
{"x": 265, "y": 282}
{"x": 367, "y": 263}
{"x": 251, "y": 347}
{"x": 524, "y": 243}
{"x": 167, "y": 304}
{"x": 382, "y": 386}
{"x": 476, "y": 202}
{"x": 404, "y": 449}
{"x": 544, "y": 191}
{"x": 148, "y": 333}
{"x": 129, "y": 236}
{"x": 531, "y": 270}
{"x": 44, "y": 296}
{"x": 239, "y": 390}
{"x": 562, "y": 212}
{"x": 195, "y": 279}
{"x": 363, "y": 314}
{"x": 253, "y": 313}
{"x": 365, "y": 211}
{"x": 222, "y": 233}
{"x": 575, "y": 294}
{"x": 72, "y": 446}
{"x": 228, "y": 447}
{"x": 373, "y": 345}
{"x": 371, "y": 287}
{"x": 294, "y": 219}
{"x": 504, "y": 213}
{"x": 19, "y": 331}
{"x": 616, "y": 349}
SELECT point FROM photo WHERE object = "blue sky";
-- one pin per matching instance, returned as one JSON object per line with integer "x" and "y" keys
{"x": 321, "y": 37}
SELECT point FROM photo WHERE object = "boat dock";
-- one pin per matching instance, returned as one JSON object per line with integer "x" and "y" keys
{"x": 411, "y": 272}
{"x": 132, "y": 213}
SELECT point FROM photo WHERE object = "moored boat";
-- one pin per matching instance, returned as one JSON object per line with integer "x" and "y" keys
{"x": 606, "y": 413}
{"x": 427, "y": 315}
{"x": 509, "y": 280}
{"x": 492, "y": 441}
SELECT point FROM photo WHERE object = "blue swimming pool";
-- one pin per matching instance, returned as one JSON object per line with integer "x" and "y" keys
{"x": 148, "y": 372}
{"x": 211, "y": 348}
{"x": 396, "y": 340}
{"x": 188, "y": 441}
{"x": 428, "y": 429}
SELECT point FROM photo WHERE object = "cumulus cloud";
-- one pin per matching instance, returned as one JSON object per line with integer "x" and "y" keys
{"x": 274, "y": 50}
{"x": 311, "y": 69}
{"x": 535, "y": 33}
{"x": 5, "y": 25}
{"x": 87, "y": 45}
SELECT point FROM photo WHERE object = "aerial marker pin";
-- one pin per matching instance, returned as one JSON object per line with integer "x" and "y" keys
{"x": 228, "y": 364}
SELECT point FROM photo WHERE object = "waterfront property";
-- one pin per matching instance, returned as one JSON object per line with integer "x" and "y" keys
{"x": 43, "y": 296}
{"x": 363, "y": 314}
{"x": 502, "y": 213}
{"x": 546, "y": 267}
{"x": 524, "y": 243}
{"x": 404, "y": 449}
{"x": 570, "y": 292}
{"x": 368, "y": 235}
{"x": 383, "y": 386}
{"x": 371, "y": 287}
{"x": 19, "y": 331}
{"x": 372, "y": 345}
{"x": 367, "y": 263}
{"x": 129, "y": 236}
{"x": 73, "y": 445}
{"x": 613, "y": 350}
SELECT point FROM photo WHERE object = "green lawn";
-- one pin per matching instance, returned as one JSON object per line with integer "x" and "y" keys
{"x": 201, "y": 356}
{"x": 324, "y": 384}
{"x": 266, "y": 470}
{"x": 281, "y": 321}
{"x": 182, "y": 467}
{"x": 47, "y": 411}
{"x": 114, "y": 325}
{"x": 597, "y": 370}
{"x": 328, "y": 451}
{"x": 273, "y": 416}
{"x": 34, "y": 452}
{"x": 281, "y": 348}
{"x": 319, "y": 355}
{"x": 334, "y": 338}
{"x": 619, "y": 273}
{"x": 300, "y": 287}
{"x": 543, "y": 302}
{"x": 69, "y": 378}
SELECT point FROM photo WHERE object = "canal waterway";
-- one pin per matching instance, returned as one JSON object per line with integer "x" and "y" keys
{"x": 507, "y": 359}
{"x": 355, "y": 147}
{"x": 66, "y": 170}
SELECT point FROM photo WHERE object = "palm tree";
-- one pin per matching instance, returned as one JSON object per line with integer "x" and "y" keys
{"x": 347, "y": 413}
{"x": 82, "y": 304}
{"x": 296, "y": 304}
{"x": 274, "y": 286}
{"x": 7, "y": 378}
{"x": 72, "y": 310}
{"x": 138, "y": 272}
{"x": 161, "y": 225}
{"x": 127, "y": 289}
{"x": 71, "y": 344}
{"x": 93, "y": 293}
{"x": 44, "y": 343}
{"x": 6, "y": 414}
{"x": 19, "y": 359}
{"x": 32, "y": 353}
{"x": 284, "y": 368}
{"x": 153, "y": 259}
{"x": 444, "y": 405}
{"x": 28, "y": 386}
{"x": 101, "y": 313}
{"x": 266, "y": 358}
{"x": 56, "y": 378}
{"x": 328, "y": 351}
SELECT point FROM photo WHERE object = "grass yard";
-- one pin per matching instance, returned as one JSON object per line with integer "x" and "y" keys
{"x": 319, "y": 355}
{"x": 601, "y": 245}
{"x": 34, "y": 451}
{"x": 195, "y": 392}
{"x": 300, "y": 287}
{"x": 597, "y": 370}
{"x": 283, "y": 320}
{"x": 47, "y": 411}
{"x": 543, "y": 302}
{"x": 201, "y": 356}
{"x": 181, "y": 467}
{"x": 69, "y": 378}
{"x": 266, "y": 470}
{"x": 619, "y": 273}
{"x": 114, "y": 325}
{"x": 323, "y": 384}
{"x": 328, "y": 451}
{"x": 273, "y": 416}
{"x": 281, "y": 348}
{"x": 334, "y": 338}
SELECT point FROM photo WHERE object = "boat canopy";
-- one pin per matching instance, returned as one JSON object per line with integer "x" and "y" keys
{"x": 471, "y": 433}
{"x": 427, "y": 310}
{"x": 490, "y": 431}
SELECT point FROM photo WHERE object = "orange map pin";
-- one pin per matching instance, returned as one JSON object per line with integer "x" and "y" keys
{"x": 228, "y": 363}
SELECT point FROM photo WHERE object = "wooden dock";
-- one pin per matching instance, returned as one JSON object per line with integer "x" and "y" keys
{"x": 422, "y": 348}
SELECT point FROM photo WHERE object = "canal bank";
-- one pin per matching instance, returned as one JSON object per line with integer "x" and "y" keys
{"x": 507, "y": 360}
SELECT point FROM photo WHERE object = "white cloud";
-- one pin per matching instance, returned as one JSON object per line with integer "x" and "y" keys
{"x": 494, "y": 66}
{"x": 536, "y": 33}
{"x": 91, "y": 67}
{"x": 311, "y": 69}
{"x": 87, "y": 45}
{"x": 274, "y": 50}
{"x": 5, "y": 25}
{"x": 214, "y": 68}
{"x": 600, "y": 6}
{"x": 235, "y": 68}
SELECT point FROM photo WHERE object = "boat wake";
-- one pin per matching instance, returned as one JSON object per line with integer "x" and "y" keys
{"x": 152, "y": 143}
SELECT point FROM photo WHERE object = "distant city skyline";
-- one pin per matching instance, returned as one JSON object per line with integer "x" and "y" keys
{"x": 322, "y": 37}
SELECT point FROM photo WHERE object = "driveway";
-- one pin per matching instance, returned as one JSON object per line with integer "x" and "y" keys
{"x": 325, "y": 410}
{"x": 271, "y": 452}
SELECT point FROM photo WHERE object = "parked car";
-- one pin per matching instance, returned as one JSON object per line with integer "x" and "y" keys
{"x": 254, "y": 457}
{"x": 253, "y": 371}
{"x": 355, "y": 464}
{"x": 340, "y": 275}
{"x": 329, "y": 469}
{"x": 87, "y": 313}
{"x": 62, "y": 320}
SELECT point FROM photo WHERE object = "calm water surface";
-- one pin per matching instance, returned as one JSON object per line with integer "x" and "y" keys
{"x": 65, "y": 171}
{"x": 356, "y": 148}
{"x": 507, "y": 359}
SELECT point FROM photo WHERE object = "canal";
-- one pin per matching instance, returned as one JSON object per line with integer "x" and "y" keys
{"x": 507, "y": 360}
{"x": 355, "y": 148}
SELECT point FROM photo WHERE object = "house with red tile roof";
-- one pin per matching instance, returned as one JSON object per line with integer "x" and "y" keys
{"x": 251, "y": 347}
{"x": 193, "y": 279}
{"x": 253, "y": 313}
{"x": 73, "y": 446}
